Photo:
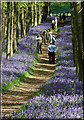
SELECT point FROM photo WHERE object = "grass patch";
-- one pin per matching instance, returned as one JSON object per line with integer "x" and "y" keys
{"x": 19, "y": 79}
{"x": 10, "y": 85}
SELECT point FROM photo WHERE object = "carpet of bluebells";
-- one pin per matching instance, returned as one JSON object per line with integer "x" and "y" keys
{"x": 62, "y": 95}
{"x": 25, "y": 57}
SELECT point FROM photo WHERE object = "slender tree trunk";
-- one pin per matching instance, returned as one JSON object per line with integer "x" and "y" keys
{"x": 17, "y": 27}
{"x": 48, "y": 9}
{"x": 8, "y": 31}
{"x": 11, "y": 36}
{"x": 72, "y": 26}
{"x": 22, "y": 24}
{"x": 40, "y": 14}
{"x": 15, "y": 20}
{"x": 5, "y": 26}
{"x": 32, "y": 15}
{"x": 3, "y": 20}
{"x": 45, "y": 12}
{"x": 28, "y": 18}
{"x": 35, "y": 13}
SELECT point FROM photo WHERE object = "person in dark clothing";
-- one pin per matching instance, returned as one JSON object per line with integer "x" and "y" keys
{"x": 39, "y": 43}
{"x": 51, "y": 49}
{"x": 44, "y": 35}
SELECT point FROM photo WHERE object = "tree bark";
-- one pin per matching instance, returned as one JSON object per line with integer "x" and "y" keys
{"x": 17, "y": 26}
{"x": 5, "y": 26}
{"x": 8, "y": 31}
{"x": 74, "y": 37}
{"x": 28, "y": 19}
{"x": 22, "y": 24}
{"x": 15, "y": 18}
{"x": 80, "y": 39}
{"x": 48, "y": 10}
{"x": 32, "y": 15}
{"x": 11, "y": 36}
{"x": 3, "y": 19}
{"x": 77, "y": 36}
{"x": 40, "y": 14}
{"x": 35, "y": 13}
{"x": 45, "y": 11}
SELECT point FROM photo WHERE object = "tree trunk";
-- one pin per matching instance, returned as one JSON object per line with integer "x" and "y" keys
{"x": 74, "y": 37}
{"x": 11, "y": 36}
{"x": 3, "y": 20}
{"x": 5, "y": 27}
{"x": 45, "y": 12}
{"x": 48, "y": 9}
{"x": 32, "y": 15}
{"x": 15, "y": 18}
{"x": 28, "y": 17}
{"x": 22, "y": 24}
{"x": 82, "y": 5}
{"x": 17, "y": 27}
{"x": 40, "y": 14}
{"x": 77, "y": 36}
{"x": 8, "y": 31}
{"x": 35, "y": 13}
{"x": 80, "y": 39}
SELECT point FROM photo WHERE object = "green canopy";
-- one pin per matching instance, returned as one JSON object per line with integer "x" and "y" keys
{"x": 60, "y": 7}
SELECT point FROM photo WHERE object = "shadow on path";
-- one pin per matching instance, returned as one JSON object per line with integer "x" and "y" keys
{"x": 13, "y": 99}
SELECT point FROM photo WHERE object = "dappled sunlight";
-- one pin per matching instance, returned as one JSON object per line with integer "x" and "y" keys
{"x": 51, "y": 90}
{"x": 40, "y": 69}
{"x": 52, "y": 65}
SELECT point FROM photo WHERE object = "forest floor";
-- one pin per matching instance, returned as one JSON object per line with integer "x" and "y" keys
{"x": 14, "y": 98}
{"x": 61, "y": 92}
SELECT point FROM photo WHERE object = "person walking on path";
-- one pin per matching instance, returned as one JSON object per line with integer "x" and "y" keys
{"x": 45, "y": 37}
{"x": 54, "y": 42}
{"x": 39, "y": 43}
{"x": 54, "y": 39}
{"x": 56, "y": 23}
{"x": 50, "y": 35}
{"x": 51, "y": 49}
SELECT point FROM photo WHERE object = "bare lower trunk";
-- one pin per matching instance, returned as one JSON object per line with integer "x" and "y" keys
{"x": 35, "y": 13}
{"x": 8, "y": 31}
{"x": 11, "y": 37}
{"x": 15, "y": 13}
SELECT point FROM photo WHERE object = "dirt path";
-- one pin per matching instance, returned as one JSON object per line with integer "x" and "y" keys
{"x": 13, "y": 99}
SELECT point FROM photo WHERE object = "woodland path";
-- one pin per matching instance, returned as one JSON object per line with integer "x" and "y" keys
{"x": 13, "y": 99}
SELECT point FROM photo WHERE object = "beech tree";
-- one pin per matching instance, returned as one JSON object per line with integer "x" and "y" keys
{"x": 45, "y": 11}
{"x": 3, "y": 19}
{"x": 12, "y": 14}
{"x": 32, "y": 14}
{"x": 22, "y": 23}
{"x": 17, "y": 25}
{"x": 28, "y": 17}
{"x": 8, "y": 30}
{"x": 12, "y": 30}
{"x": 77, "y": 36}
{"x": 35, "y": 13}
{"x": 15, "y": 21}
{"x": 39, "y": 12}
